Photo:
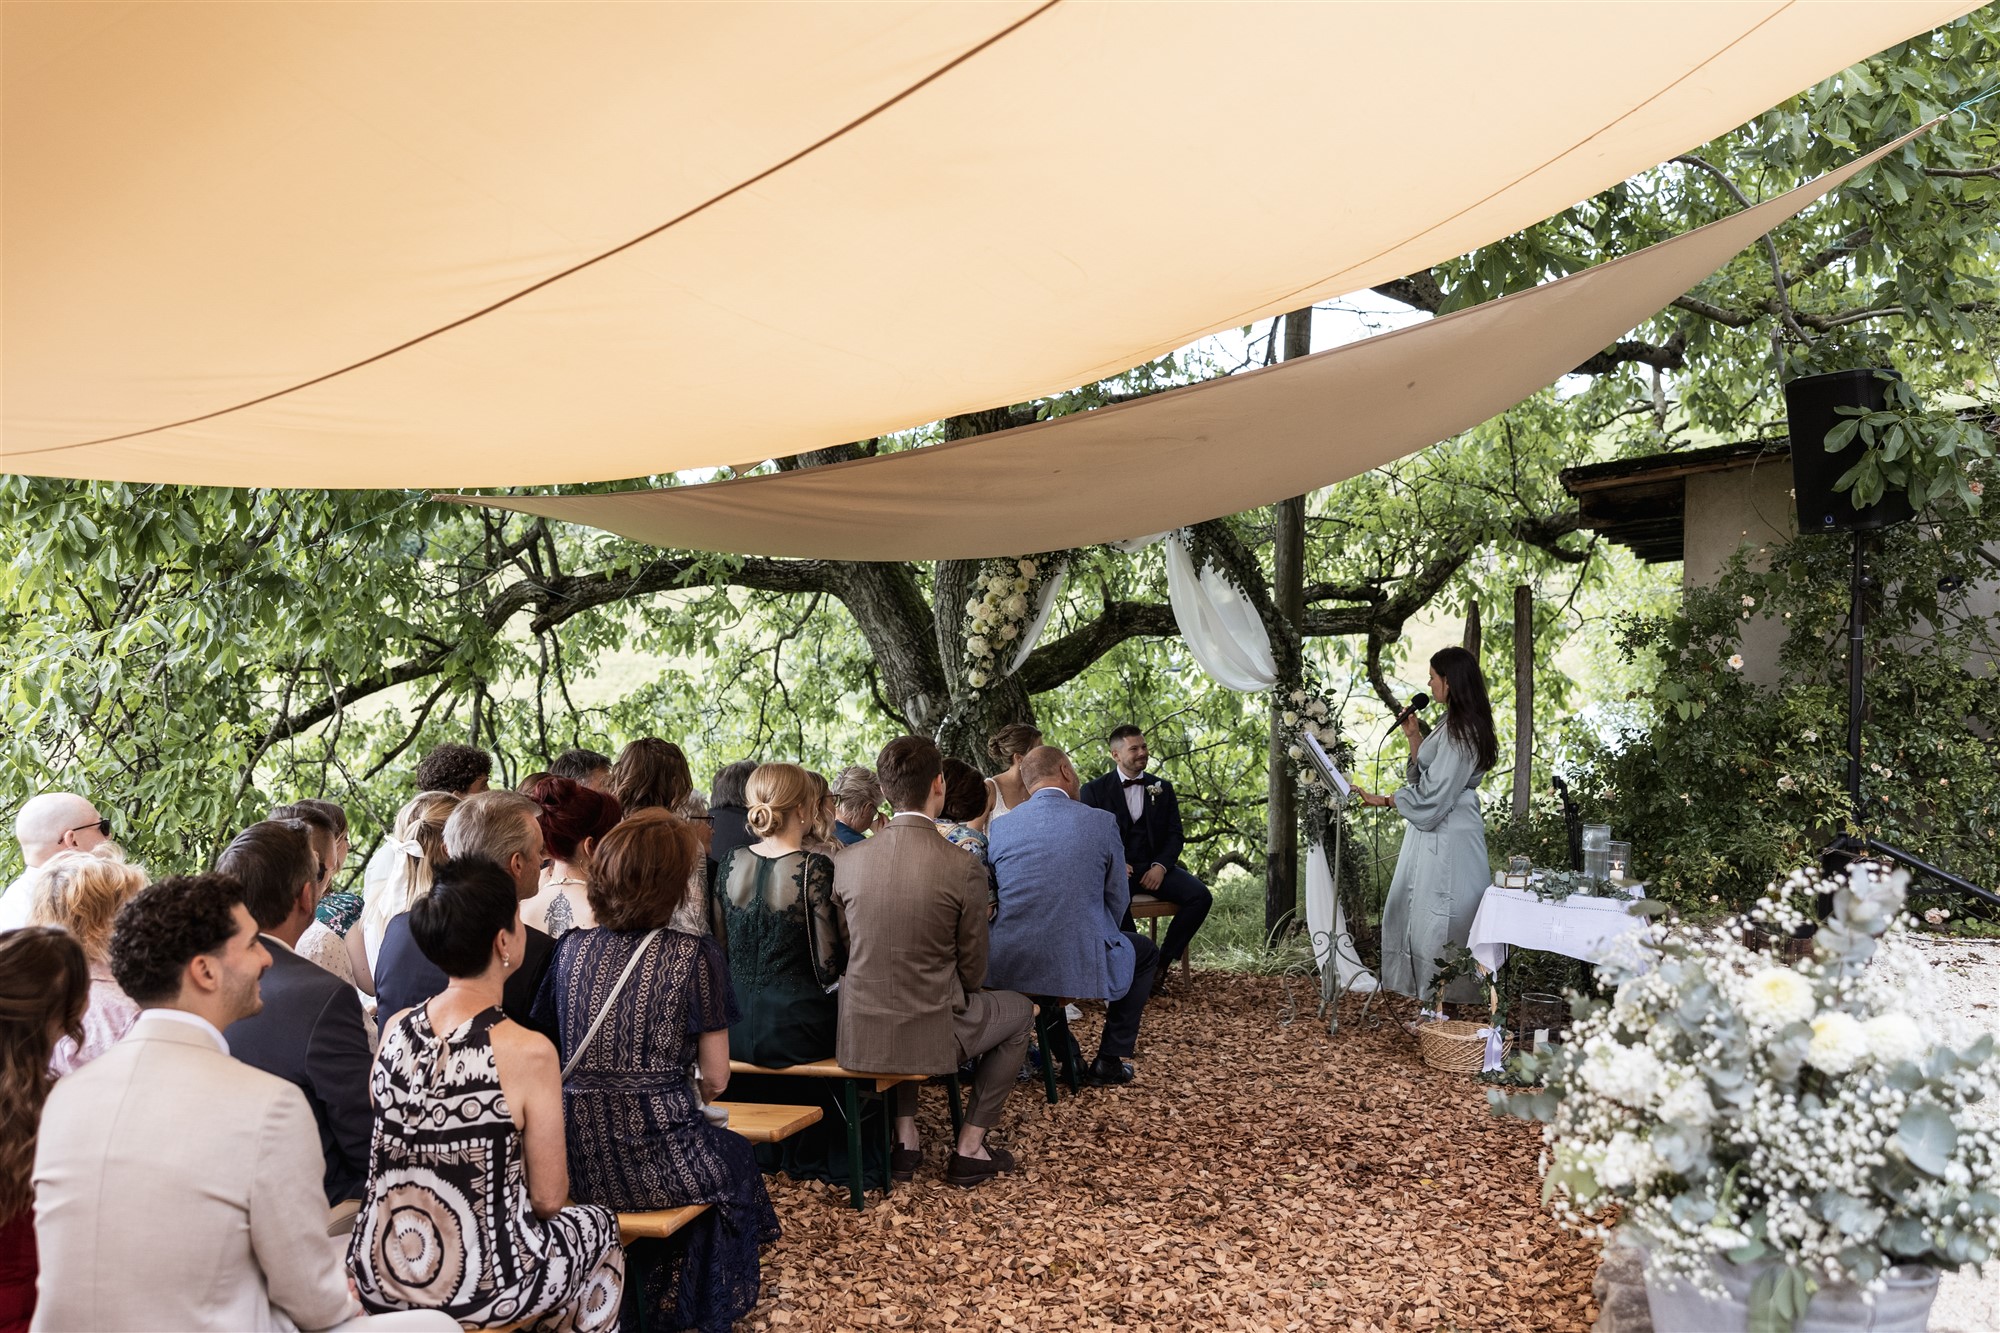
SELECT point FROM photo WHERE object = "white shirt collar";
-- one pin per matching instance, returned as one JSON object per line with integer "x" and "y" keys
{"x": 1041, "y": 790}
{"x": 196, "y": 1020}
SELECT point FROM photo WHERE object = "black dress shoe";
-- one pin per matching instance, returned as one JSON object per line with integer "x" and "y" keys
{"x": 966, "y": 1172}
{"x": 1160, "y": 974}
{"x": 903, "y": 1163}
{"x": 1107, "y": 1071}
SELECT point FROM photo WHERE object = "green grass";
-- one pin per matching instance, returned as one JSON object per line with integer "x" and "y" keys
{"x": 1233, "y": 940}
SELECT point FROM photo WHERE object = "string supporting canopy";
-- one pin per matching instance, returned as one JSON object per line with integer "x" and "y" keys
{"x": 500, "y": 244}
{"x": 1187, "y": 455}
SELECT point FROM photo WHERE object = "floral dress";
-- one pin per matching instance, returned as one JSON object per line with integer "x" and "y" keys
{"x": 446, "y": 1224}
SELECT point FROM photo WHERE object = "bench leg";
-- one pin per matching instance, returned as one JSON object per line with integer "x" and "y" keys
{"x": 851, "y": 1103}
{"x": 888, "y": 1141}
{"x": 951, "y": 1092}
{"x": 1043, "y": 1026}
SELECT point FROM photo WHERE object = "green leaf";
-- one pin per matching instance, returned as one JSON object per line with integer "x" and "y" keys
{"x": 1926, "y": 1138}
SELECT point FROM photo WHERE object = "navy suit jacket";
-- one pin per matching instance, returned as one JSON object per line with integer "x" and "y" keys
{"x": 404, "y": 978}
{"x": 1063, "y": 893}
{"x": 1155, "y": 837}
{"x": 311, "y": 1033}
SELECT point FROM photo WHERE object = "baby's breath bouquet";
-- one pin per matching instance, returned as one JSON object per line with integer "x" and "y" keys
{"x": 1805, "y": 1126}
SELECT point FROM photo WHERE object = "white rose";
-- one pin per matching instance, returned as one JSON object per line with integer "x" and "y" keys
{"x": 1748, "y": 600}
{"x": 1015, "y": 606}
{"x": 1838, "y": 1043}
{"x": 1308, "y": 777}
{"x": 1627, "y": 1074}
{"x": 980, "y": 624}
{"x": 1809, "y": 736}
{"x": 1289, "y": 718}
{"x": 978, "y": 679}
{"x": 1020, "y": 585}
{"x": 1895, "y": 1039}
{"x": 1027, "y": 568}
{"x": 1298, "y": 696}
{"x": 1317, "y": 708}
{"x": 1736, "y": 660}
{"x": 977, "y": 646}
{"x": 1777, "y": 996}
{"x": 1008, "y": 632}
{"x": 1295, "y": 752}
{"x": 1687, "y": 1103}
{"x": 974, "y": 606}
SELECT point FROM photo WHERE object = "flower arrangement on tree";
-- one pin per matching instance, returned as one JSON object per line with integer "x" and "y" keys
{"x": 1308, "y": 711}
{"x": 1812, "y": 1119}
{"x": 1000, "y": 611}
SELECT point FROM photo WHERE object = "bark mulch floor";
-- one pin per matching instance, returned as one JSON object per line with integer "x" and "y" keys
{"x": 1256, "y": 1176}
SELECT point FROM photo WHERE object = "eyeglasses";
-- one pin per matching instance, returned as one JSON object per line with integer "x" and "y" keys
{"x": 103, "y": 826}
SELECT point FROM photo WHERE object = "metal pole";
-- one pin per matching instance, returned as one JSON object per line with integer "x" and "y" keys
{"x": 1857, "y": 619}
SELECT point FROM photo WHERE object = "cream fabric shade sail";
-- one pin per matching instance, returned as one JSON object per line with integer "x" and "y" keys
{"x": 340, "y": 241}
{"x": 1219, "y": 447}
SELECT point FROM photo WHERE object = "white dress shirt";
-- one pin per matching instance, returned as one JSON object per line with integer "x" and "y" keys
{"x": 14, "y": 902}
{"x": 1135, "y": 797}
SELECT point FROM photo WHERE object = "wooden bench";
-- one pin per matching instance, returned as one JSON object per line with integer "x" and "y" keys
{"x": 851, "y": 1081}
{"x": 1145, "y": 907}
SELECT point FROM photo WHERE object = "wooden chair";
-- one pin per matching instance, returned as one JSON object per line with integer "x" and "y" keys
{"x": 1147, "y": 908}
{"x": 850, "y": 1100}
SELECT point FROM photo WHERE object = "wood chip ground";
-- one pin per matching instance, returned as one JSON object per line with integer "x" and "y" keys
{"x": 1256, "y": 1176}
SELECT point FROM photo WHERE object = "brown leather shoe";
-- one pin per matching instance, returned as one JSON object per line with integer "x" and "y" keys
{"x": 967, "y": 1172}
{"x": 904, "y": 1163}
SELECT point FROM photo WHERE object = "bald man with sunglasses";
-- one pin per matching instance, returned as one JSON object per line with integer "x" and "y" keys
{"x": 55, "y": 821}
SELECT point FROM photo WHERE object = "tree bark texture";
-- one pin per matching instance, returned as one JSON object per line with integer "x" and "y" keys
{"x": 1524, "y": 697}
{"x": 1288, "y": 541}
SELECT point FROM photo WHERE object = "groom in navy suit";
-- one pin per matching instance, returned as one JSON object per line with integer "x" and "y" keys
{"x": 1149, "y": 822}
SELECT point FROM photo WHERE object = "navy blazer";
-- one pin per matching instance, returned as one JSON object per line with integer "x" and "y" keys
{"x": 1155, "y": 837}
{"x": 311, "y": 1033}
{"x": 404, "y": 978}
{"x": 1063, "y": 893}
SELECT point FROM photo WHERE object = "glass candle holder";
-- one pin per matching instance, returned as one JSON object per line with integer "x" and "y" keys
{"x": 1596, "y": 851}
{"x": 1619, "y": 857}
{"x": 1519, "y": 873}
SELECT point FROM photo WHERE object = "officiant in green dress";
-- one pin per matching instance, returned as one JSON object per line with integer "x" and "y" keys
{"x": 1442, "y": 870}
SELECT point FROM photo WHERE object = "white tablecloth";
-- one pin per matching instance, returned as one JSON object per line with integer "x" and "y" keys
{"x": 1579, "y": 927}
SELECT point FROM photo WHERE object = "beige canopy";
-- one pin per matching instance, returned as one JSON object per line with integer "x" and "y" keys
{"x": 390, "y": 245}
{"x": 1213, "y": 448}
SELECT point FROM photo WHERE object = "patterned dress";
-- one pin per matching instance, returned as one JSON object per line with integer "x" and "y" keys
{"x": 637, "y": 1137}
{"x": 447, "y": 1225}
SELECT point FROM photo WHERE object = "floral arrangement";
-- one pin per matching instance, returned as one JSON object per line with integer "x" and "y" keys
{"x": 998, "y": 613}
{"x": 1309, "y": 712}
{"x": 1814, "y": 1119}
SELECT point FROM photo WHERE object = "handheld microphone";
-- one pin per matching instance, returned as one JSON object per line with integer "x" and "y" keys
{"x": 1418, "y": 703}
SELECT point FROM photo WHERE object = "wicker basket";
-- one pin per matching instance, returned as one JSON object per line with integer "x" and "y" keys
{"x": 1456, "y": 1045}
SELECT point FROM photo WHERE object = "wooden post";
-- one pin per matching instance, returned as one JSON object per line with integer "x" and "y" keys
{"x": 1288, "y": 540}
{"x": 1471, "y": 640}
{"x": 1524, "y": 696}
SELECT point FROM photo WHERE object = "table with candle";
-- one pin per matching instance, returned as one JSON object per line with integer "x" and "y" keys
{"x": 1579, "y": 926}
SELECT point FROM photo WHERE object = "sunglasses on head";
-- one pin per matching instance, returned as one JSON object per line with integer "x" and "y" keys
{"x": 103, "y": 826}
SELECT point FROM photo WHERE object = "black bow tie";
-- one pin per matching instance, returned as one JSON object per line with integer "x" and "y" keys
{"x": 1139, "y": 781}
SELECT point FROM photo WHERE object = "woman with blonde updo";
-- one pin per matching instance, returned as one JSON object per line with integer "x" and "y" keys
{"x": 420, "y": 840}
{"x": 81, "y": 892}
{"x": 787, "y": 942}
{"x": 1006, "y": 748}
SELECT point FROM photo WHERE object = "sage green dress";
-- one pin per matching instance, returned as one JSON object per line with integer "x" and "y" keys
{"x": 1442, "y": 871}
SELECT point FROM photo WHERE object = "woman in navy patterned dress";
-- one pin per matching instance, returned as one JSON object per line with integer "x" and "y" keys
{"x": 633, "y": 1090}
{"x": 467, "y": 1176}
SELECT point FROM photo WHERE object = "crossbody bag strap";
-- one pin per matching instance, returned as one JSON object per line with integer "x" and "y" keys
{"x": 605, "y": 1010}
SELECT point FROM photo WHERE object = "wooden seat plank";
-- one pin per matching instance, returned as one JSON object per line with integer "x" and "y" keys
{"x": 827, "y": 1068}
{"x": 766, "y": 1122}
{"x": 657, "y": 1225}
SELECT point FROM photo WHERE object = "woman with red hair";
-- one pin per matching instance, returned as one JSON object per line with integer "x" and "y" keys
{"x": 574, "y": 819}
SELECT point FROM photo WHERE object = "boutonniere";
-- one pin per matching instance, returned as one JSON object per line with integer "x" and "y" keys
{"x": 1153, "y": 790}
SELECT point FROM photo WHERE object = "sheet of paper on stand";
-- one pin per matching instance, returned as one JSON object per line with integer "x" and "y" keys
{"x": 1329, "y": 770}
{"x": 1578, "y": 927}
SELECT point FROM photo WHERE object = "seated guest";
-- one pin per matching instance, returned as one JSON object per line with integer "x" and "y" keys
{"x": 416, "y": 845}
{"x": 628, "y": 1036}
{"x": 819, "y": 836}
{"x": 652, "y": 774}
{"x": 465, "y": 1209}
{"x": 910, "y": 1003}
{"x": 164, "y": 1160}
{"x": 574, "y": 818}
{"x": 324, "y": 941}
{"x": 44, "y": 986}
{"x": 1149, "y": 822}
{"x": 55, "y": 821}
{"x": 1007, "y": 747}
{"x": 729, "y": 814}
{"x": 82, "y": 892}
{"x": 499, "y": 826}
{"x": 967, "y": 799}
{"x": 459, "y": 770}
{"x": 310, "y": 1031}
{"x": 787, "y": 945}
{"x": 1063, "y": 894}
{"x": 588, "y": 767}
{"x": 857, "y": 804}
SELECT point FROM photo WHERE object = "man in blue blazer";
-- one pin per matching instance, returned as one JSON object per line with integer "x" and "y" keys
{"x": 1060, "y": 866}
{"x": 1149, "y": 824}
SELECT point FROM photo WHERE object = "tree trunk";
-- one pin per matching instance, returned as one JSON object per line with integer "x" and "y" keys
{"x": 1524, "y": 697}
{"x": 1288, "y": 541}
{"x": 1471, "y": 640}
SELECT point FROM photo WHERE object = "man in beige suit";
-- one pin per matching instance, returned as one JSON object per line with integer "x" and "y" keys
{"x": 174, "y": 1186}
{"x": 916, "y": 909}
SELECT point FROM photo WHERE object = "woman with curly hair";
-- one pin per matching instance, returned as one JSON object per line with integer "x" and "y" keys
{"x": 81, "y": 892}
{"x": 44, "y": 989}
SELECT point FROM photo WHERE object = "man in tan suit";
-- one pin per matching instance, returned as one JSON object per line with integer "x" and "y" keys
{"x": 916, "y": 909}
{"x": 176, "y": 1187}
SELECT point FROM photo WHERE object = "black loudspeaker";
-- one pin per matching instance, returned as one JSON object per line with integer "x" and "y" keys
{"x": 1809, "y": 404}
